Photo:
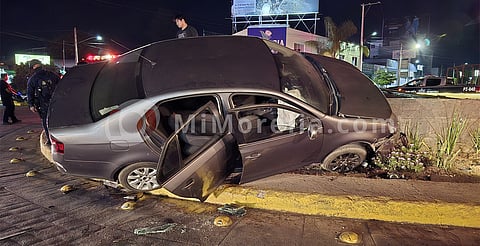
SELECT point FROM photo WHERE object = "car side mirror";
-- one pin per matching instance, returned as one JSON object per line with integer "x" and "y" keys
{"x": 314, "y": 128}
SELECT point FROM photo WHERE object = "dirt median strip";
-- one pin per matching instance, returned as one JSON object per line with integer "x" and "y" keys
{"x": 355, "y": 207}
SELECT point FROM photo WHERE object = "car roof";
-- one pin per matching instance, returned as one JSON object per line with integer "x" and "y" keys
{"x": 208, "y": 62}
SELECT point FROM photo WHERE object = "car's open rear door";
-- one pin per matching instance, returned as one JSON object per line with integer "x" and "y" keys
{"x": 195, "y": 159}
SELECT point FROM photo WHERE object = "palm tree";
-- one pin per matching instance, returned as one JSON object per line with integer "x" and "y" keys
{"x": 338, "y": 34}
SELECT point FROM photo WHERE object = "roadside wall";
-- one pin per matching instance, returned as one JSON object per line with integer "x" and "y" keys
{"x": 434, "y": 115}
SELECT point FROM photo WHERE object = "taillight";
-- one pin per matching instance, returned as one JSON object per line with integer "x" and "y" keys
{"x": 57, "y": 146}
{"x": 477, "y": 89}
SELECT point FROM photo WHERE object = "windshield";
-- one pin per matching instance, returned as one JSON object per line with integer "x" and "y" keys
{"x": 299, "y": 78}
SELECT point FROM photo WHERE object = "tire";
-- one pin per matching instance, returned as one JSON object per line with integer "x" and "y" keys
{"x": 345, "y": 158}
{"x": 140, "y": 176}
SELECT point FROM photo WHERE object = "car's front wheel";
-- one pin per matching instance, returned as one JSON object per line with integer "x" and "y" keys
{"x": 140, "y": 176}
{"x": 345, "y": 158}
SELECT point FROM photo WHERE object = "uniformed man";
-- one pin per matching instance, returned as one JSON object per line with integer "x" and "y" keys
{"x": 6, "y": 94}
{"x": 40, "y": 88}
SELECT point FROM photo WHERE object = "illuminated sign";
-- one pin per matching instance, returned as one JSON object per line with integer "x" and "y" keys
{"x": 277, "y": 34}
{"x": 273, "y": 7}
{"x": 94, "y": 58}
{"x": 25, "y": 58}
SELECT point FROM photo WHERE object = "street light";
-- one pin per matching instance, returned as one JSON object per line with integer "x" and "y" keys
{"x": 360, "y": 63}
{"x": 98, "y": 38}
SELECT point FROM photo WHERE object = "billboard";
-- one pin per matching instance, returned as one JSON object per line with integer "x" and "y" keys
{"x": 273, "y": 7}
{"x": 276, "y": 34}
{"x": 24, "y": 58}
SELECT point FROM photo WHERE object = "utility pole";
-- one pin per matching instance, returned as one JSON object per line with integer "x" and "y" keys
{"x": 399, "y": 64}
{"x": 360, "y": 61}
{"x": 63, "y": 54}
{"x": 76, "y": 44}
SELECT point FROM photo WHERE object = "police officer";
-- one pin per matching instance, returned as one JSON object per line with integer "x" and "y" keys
{"x": 40, "y": 88}
{"x": 7, "y": 101}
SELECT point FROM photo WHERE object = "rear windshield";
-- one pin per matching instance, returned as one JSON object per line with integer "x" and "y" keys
{"x": 116, "y": 83}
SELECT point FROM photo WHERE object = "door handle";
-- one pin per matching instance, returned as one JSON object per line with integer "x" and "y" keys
{"x": 189, "y": 184}
{"x": 253, "y": 156}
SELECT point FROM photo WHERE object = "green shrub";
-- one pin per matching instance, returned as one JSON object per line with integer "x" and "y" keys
{"x": 446, "y": 153}
{"x": 407, "y": 156}
{"x": 476, "y": 140}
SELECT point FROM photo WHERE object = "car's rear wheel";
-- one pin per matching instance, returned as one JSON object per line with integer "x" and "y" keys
{"x": 345, "y": 158}
{"x": 140, "y": 176}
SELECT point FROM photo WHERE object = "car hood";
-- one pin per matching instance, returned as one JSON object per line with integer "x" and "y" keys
{"x": 358, "y": 95}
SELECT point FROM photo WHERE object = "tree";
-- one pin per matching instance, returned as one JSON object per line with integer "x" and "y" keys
{"x": 338, "y": 34}
{"x": 383, "y": 77}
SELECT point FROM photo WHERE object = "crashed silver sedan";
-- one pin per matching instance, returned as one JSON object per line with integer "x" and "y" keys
{"x": 187, "y": 114}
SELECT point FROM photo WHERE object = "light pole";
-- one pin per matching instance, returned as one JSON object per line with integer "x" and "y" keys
{"x": 98, "y": 37}
{"x": 360, "y": 61}
{"x": 399, "y": 64}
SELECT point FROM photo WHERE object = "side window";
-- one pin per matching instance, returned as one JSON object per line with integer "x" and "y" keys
{"x": 248, "y": 100}
{"x": 266, "y": 122}
{"x": 417, "y": 82}
{"x": 432, "y": 82}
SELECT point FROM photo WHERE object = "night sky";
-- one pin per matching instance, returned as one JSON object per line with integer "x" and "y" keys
{"x": 27, "y": 25}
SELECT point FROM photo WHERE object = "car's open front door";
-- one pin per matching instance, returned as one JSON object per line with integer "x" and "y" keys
{"x": 195, "y": 159}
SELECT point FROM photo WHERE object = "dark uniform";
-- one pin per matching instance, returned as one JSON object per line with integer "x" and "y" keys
{"x": 40, "y": 88}
{"x": 7, "y": 101}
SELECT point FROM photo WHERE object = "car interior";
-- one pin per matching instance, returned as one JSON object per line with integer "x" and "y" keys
{"x": 165, "y": 118}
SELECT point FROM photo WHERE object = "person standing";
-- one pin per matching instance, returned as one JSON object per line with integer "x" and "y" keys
{"x": 186, "y": 30}
{"x": 7, "y": 101}
{"x": 40, "y": 88}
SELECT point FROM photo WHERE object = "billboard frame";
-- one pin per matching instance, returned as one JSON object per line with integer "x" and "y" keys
{"x": 307, "y": 21}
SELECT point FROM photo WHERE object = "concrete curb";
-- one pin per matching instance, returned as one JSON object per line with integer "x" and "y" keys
{"x": 351, "y": 206}
{"x": 355, "y": 207}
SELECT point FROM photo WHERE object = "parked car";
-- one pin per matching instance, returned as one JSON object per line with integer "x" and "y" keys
{"x": 435, "y": 84}
{"x": 186, "y": 114}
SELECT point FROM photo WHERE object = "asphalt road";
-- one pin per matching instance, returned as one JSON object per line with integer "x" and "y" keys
{"x": 34, "y": 211}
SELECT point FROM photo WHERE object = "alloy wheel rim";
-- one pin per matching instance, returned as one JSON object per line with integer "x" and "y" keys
{"x": 143, "y": 179}
{"x": 345, "y": 162}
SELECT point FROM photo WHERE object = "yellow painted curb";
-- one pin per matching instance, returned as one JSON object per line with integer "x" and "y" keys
{"x": 355, "y": 207}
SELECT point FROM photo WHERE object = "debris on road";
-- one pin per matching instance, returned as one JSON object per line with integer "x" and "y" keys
{"x": 30, "y": 131}
{"x": 223, "y": 221}
{"x": 158, "y": 229}
{"x": 232, "y": 210}
{"x": 134, "y": 197}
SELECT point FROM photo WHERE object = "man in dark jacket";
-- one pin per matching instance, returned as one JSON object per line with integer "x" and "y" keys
{"x": 40, "y": 88}
{"x": 7, "y": 101}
